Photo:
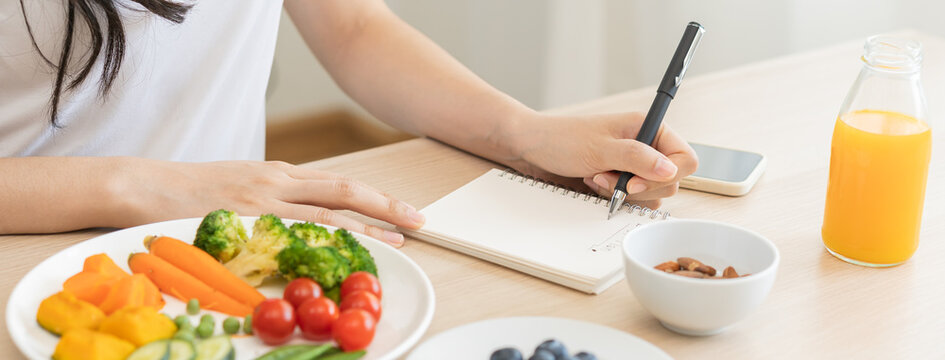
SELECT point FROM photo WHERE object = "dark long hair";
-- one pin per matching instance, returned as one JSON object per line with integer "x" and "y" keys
{"x": 107, "y": 34}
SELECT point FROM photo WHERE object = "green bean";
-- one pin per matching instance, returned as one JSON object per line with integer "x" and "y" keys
{"x": 354, "y": 355}
{"x": 312, "y": 353}
{"x": 285, "y": 352}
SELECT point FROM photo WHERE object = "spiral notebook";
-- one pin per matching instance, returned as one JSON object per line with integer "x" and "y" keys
{"x": 535, "y": 227}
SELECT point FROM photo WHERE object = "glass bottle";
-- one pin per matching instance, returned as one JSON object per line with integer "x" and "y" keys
{"x": 879, "y": 159}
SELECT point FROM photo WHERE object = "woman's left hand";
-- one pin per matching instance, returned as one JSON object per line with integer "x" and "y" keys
{"x": 594, "y": 148}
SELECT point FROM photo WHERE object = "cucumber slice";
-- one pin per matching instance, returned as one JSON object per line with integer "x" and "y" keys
{"x": 155, "y": 350}
{"x": 181, "y": 350}
{"x": 216, "y": 348}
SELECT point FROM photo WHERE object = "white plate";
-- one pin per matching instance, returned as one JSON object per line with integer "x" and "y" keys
{"x": 478, "y": 340}
{"x": 407, "y": 302}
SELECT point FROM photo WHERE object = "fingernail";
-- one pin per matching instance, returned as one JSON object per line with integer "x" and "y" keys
{"x": 416, "y": 216}
{"x": 393, "y": 238}
{"x": 636, "y": 188}
{"x": 665, "y": 168}
{"x": 590, "y": 183}
{"x": 600, "y": 181}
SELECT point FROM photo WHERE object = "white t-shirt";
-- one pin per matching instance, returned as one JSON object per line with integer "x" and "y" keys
{"x": 188, "y": 92}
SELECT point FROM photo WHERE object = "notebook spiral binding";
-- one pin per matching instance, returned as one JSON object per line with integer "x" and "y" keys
{"x": 566, "y": 191}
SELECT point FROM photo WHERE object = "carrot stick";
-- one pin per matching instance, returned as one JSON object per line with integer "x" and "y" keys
{"x": 177, "y": 283}
{"x": 205, "y": 268}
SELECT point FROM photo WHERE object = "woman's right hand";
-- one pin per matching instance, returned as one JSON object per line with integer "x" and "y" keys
{"x": 44, "y": 195}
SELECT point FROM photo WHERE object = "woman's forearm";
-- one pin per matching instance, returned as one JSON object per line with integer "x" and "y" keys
{"x": 53, "y": 194}
{"x": 406, "y": 80}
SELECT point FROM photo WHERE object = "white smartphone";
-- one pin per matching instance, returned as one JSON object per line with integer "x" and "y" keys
{"x": 724, "y": 171}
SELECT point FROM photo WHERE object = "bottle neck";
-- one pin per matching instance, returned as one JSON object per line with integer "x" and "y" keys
{"x": 889, "y": 80}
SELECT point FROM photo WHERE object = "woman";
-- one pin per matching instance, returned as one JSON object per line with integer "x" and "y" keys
{"x": 123, "y": 112}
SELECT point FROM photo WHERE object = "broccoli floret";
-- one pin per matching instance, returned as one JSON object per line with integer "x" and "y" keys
{"x": 221, "y": 234}
{"x": 324, "y": 264}
{"x": 257, "y": 261}
{"x": 313, "y": 235}
{"x": 347, "y": 245}
{"x": 351, "y": 249}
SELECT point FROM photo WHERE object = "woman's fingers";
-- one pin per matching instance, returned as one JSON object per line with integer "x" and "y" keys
{"x": 342, "y": 193}
{"x": 677, "y": 150}
{"x": 638, "y": 188}
{"x": 326, "y": 216}
{"x": 639, "y": 159}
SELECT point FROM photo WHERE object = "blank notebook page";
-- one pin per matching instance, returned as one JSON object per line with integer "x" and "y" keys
{"x": 540, "y": 226}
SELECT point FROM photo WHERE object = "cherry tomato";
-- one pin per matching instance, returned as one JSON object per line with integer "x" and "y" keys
{"x": 274, "y": 321}
{"x": 363, "y": 300}
{"x": 301, "y": 289}
{"x": 361, "y": 280}
{"x": 354, "y": 329}
{"x": 316, "y": 317}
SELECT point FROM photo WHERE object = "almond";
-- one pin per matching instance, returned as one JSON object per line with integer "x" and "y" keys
{"x": 687, "y": 263}
{"x": 668, "y": 266}
{"x": 729, "y": 273}
{"x": 689, "y": 273}
{"x": 706, "y": 269}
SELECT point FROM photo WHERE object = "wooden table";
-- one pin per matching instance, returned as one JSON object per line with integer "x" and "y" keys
{"x": 785, "y": 108}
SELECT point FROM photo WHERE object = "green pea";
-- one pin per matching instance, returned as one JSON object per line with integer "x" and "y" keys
{"x": 231, "y": 325}
{"x": 248, "y": 324}
{"x": 185, "y": 334}
{"x": 193, "y": 306}
{"x": 205, "y": 330}
{"x": 182, "y": 321}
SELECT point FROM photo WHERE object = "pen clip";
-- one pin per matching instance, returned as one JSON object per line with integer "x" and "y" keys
{"x": 692, "y": 49}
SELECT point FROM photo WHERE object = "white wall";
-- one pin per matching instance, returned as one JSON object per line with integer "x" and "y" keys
{"x": 549, "y": 53}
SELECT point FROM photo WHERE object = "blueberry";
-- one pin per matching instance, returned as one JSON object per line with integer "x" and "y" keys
{"x": 555, "y": 347}
{"x": 506, "y": 354}
{"x": 584, "y": 355}
{"x": 542, "y": 354}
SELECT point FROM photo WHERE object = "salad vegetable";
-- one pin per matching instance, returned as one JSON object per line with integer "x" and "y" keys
{"x": 362, "y": 300}
{"x": 221, "y": 234}
{"x": 349, "y": 247}
{"x": 62, "y": 312}
{"x": 361, "y": 280}
{"x": 315, "y": 317}
{"x": 183, "y": 286}
{"x": 95, "y": 280}
{"x": 85, "y": 344}
{"x": 274, "y": 321}
{"x": 257, "y": 260}
{"x": 354, "y": 329}
{"x": 205, "y": 329}
{"x": 138, "y": 325}
{"x": 323, "y": 264}
{"x": 134, "y": 290}
{"x": 204, "y": 267}
{"x": 174, "y": 349}
{"x": 231, "y": 325}
{"x": 301, "y": 289}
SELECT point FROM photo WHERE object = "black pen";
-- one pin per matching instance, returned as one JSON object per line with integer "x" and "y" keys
{"x": 664, "y": 94}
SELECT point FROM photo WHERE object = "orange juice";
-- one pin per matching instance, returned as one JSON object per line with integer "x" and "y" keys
{"x": 878, "y": 168}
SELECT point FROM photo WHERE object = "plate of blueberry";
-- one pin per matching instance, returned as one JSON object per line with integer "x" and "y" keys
{"x": 535, "y": 338}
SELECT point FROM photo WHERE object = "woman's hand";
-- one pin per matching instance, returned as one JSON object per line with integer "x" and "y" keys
{"x": 160, "y": 190}
{"x": 595, "y": 147}
{"x": 52, "y": 194}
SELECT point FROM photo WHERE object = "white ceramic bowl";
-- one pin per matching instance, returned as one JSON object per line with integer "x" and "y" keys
{"x": 699, "y": 306}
